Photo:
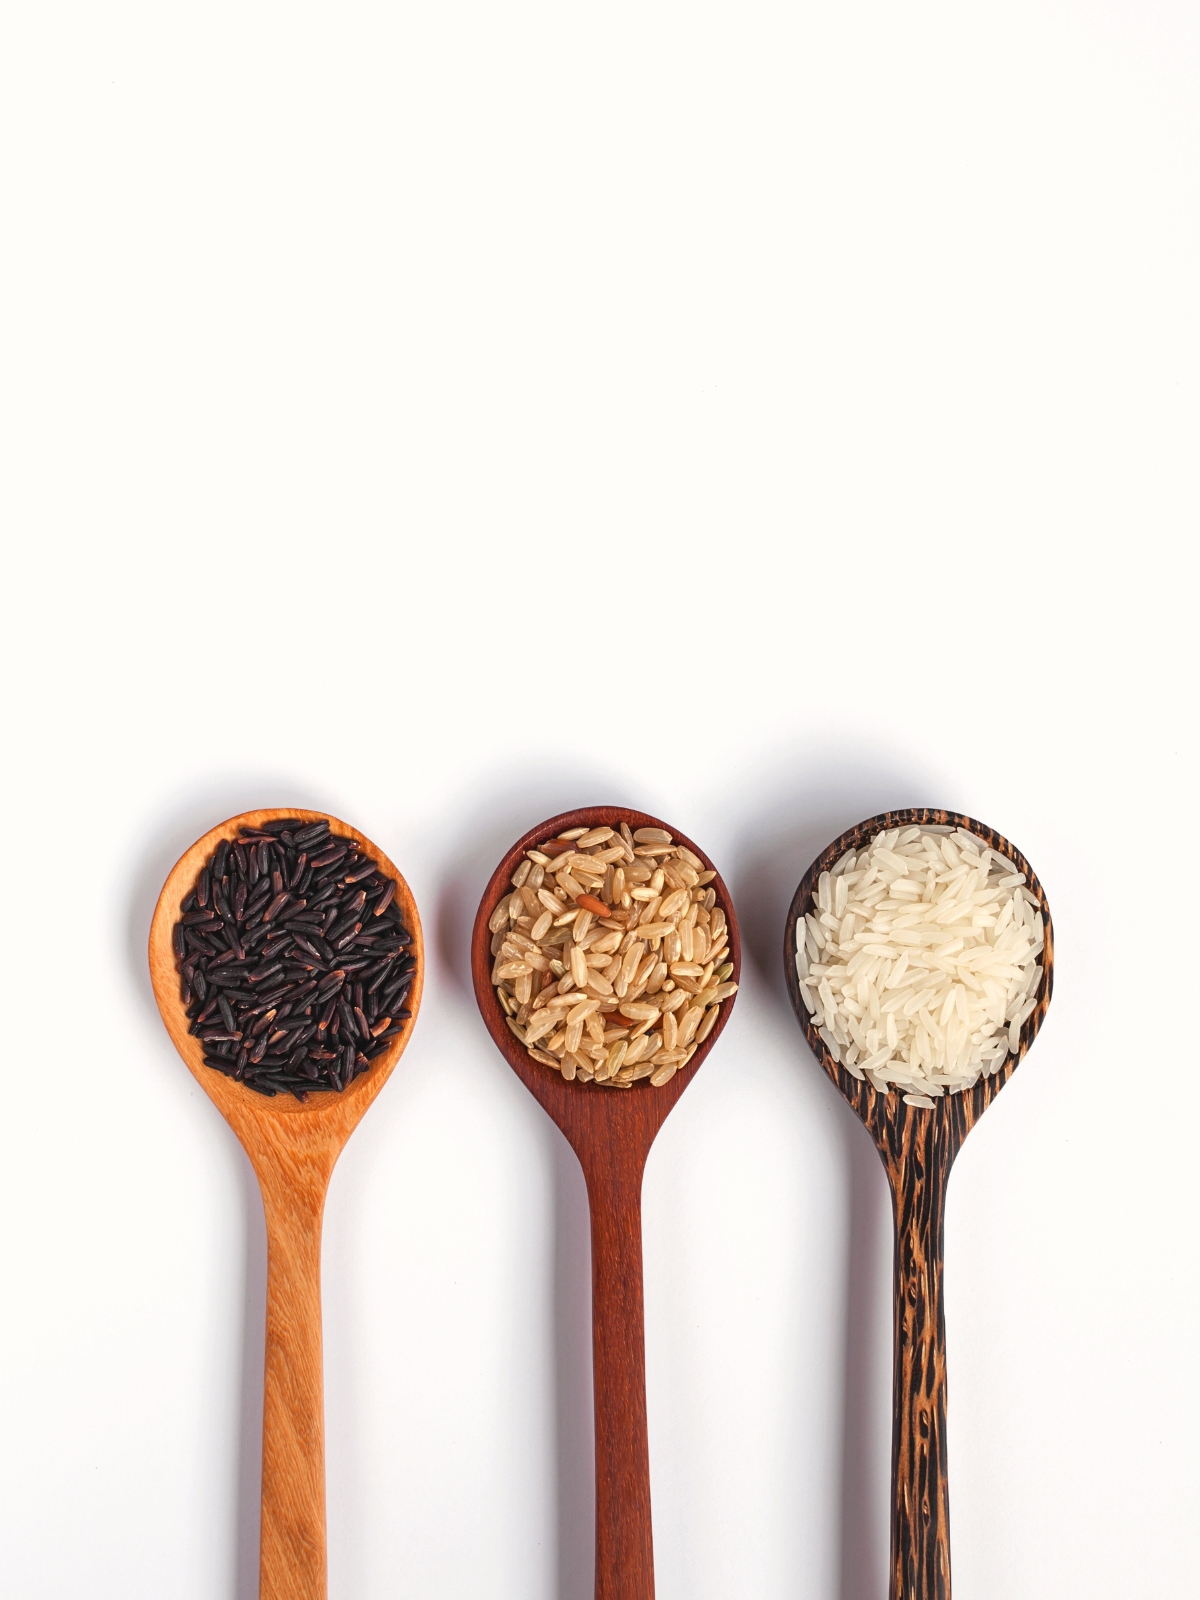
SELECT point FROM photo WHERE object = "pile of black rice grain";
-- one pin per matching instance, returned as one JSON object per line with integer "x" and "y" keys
{"x": 294, "y": 959}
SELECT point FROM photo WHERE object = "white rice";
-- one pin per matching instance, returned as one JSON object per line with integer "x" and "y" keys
{"x": 920, "y": 960}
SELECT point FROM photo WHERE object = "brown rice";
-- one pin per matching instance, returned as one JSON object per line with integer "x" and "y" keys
{"x": 611, "y": 957}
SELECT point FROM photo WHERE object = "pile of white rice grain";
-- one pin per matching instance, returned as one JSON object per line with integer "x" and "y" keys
{"x": 920, "y": 960}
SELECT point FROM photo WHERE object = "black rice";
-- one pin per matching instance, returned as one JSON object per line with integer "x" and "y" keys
{"x": 293, "y": 959}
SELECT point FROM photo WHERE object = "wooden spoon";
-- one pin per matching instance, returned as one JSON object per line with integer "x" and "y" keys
{"x": 918, "y": 1147}
{"x": 611, "y": 1131}
{"x": 292, "y": 1147}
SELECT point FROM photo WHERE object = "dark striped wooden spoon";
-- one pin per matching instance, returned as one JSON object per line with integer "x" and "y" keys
{"x": 611, "y": 1131}
{"x": 918, "y": 1147}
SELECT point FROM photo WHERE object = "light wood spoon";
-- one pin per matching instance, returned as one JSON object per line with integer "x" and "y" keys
{"x": 918, "y": 1147}
{"x": 611, "y": 1131}
{"x": 292, "y": 1147}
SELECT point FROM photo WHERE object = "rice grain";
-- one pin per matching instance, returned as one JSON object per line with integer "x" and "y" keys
{"x": 919, "y": 961}
{"x": 623, "y": 936}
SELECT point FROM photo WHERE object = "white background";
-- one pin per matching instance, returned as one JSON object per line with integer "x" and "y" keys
{"x": 444, "y": 415}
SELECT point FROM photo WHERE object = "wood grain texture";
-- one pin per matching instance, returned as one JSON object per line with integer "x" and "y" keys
{"x": 611, "y": 1131}
{"x": 293, "y": 1147}
{"x": 918, "y": 1148}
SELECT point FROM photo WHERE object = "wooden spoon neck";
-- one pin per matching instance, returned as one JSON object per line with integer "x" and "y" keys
{"x": 918, "y": 1149}
{"x": 615, "y": 1186}
{"x": 290, "y": 1205}
{"x": 293, "y": 1161}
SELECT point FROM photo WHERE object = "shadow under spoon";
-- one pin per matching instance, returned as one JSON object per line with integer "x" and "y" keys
{"x": 918, "y": 1147}
{"x": 611, "y": 1131}
{"x": 292, "y": 1147}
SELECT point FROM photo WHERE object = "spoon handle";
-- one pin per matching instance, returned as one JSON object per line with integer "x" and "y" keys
{"x": 624, "y": 1549}
{"x": 292, "y": 1563}
{"x": 920, "y": 1555}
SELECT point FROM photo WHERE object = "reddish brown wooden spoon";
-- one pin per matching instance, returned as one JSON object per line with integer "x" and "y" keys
{"x": 918, "y": 1147}
{"x": 611, "y": 1132}
{"x": 292, "y": 1147}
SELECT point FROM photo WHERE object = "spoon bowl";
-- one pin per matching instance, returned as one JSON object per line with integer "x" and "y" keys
{"x": 611, "y": 1131}
{"x": 292, "y": 1146}
{"x": 918, "y": 1146}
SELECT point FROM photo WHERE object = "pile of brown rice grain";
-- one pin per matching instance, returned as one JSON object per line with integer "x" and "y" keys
{"x": 919, "y": 960}
{"x": 611, "y": 955}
